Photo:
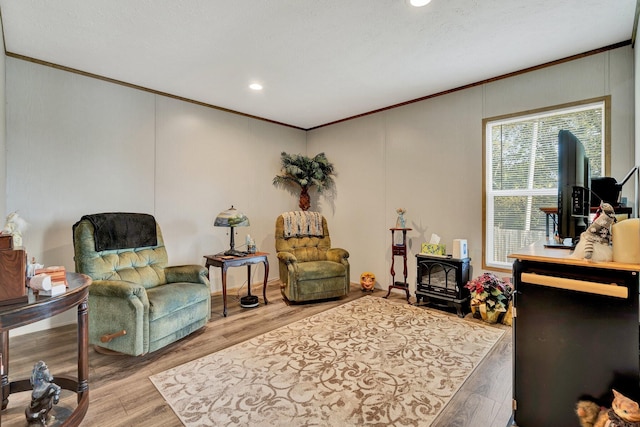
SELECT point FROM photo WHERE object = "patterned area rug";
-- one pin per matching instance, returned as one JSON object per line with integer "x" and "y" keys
{"x": 367, "y": 362}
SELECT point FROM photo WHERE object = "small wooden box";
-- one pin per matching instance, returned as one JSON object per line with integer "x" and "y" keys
{"x": 13, "y": 273}
{"x": 6, "y": 241}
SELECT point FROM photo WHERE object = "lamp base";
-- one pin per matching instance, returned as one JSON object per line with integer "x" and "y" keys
{"x": 249, "y": 301}
{"x": 233, "y": 252}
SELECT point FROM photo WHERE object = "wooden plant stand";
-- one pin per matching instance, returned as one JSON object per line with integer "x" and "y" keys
{"x": 399, "y": 249}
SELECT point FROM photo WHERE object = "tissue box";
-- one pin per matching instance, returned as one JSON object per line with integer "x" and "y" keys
{"x": 433, "y": 249}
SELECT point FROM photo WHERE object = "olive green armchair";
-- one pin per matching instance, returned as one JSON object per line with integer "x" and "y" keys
{"x": 310, "y": 269}
{"x": 137, "y": 303}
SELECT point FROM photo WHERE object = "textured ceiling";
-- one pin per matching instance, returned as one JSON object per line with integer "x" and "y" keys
{"x": 319, "y": 60}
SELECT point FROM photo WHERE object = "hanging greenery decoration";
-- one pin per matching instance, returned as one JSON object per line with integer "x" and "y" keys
{"x": 307, "y": 173}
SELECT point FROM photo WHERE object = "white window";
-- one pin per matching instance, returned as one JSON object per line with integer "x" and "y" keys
{"x": 521, "y": 172}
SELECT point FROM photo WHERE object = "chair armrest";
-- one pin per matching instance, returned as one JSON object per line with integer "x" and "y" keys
{"x": 187, "y": 273}
{"x": 117, "y": 289}
{"x": 287, "y": 257}
{"x": 337, "y": 255}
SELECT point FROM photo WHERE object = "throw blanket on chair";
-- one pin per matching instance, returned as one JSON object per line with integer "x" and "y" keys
{"x": 117, "y": 230}
{"x": 301, "y": 224}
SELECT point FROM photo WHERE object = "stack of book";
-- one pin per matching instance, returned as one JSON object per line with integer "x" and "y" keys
{"x": 58, "y": 274}
{"x": 58, "y": 280}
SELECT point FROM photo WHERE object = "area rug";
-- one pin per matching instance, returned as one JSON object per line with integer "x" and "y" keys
{"x": 367, "y": 362}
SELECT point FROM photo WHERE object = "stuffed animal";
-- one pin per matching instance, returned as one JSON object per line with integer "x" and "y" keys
{"x": 624, "y": 412}
{"x": 595, "y": 241}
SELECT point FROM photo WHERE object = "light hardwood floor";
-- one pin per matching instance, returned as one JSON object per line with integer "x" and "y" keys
{"x": 121, "y": 393}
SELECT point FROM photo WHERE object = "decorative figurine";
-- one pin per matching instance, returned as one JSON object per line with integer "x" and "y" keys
{"x": 400, "y": 222}
{"x": 45, "y": 393}
{"x": 15, "y": 225}
{"x": 367, "y": 281}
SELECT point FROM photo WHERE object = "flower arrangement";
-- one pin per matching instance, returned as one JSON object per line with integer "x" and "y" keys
{"x": 490, "y": 290}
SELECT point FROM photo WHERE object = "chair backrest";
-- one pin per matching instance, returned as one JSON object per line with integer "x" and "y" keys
{"x": 143, "y": 265}
{"x": 305, "y": 247}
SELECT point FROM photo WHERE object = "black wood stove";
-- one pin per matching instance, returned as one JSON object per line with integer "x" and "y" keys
{"x": 440, "y": 281}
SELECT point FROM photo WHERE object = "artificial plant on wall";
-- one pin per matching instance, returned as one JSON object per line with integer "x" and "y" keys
{"x": 305, "y": 172}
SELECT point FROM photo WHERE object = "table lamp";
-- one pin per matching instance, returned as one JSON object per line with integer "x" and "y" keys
{"x": 232, "y": 218}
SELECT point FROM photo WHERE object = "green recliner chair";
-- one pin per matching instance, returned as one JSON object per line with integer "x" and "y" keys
{"x": 310, "y": 269}
{"x": 137, "y": 303}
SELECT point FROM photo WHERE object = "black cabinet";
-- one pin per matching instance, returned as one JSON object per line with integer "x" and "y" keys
{"x": 441, "y": 280}
{"x": 575, "y": 333}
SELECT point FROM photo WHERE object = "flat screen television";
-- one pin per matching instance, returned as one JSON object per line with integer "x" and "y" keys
{"x": 574, "y": 180}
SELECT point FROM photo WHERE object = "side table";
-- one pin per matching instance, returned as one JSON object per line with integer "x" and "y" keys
{"x": 399, "y": 249}
{"x": 224, "y": 262}
{"x": 39, "y": 308}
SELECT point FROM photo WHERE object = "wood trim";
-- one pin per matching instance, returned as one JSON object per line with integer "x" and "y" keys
{"x": 634, "y": 31}
{"x": 607, "y": 136}
{"x": 607, "y": 120}
{"x": 607, "y": 153}
{"x": 423, "y": 98}
{"x": 611, "y": 290}
{"x": 142, "y": 88}
{"x": 537, "y": 252}
{"x": 484, "y": 194}
{"x": 482, "y": 82}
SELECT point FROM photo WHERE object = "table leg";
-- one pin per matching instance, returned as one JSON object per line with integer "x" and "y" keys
{"x": 224, "y": 290}
{"x": 546, "y": 226}
{"x": 83, "y": 349}
{"x": 264, "y": 283}
{"x": 4, "y": 367}
{"x": 393, "y": 275}
{"x": 248, "y": 280}
{"x": 406, "y": 284}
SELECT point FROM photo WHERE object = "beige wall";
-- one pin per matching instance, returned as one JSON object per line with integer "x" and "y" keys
{"x": 636, "y": 79}
{"x": 3, "y": 134}
{"x": 77, "y": 145}
{"x": 427, "y": 157}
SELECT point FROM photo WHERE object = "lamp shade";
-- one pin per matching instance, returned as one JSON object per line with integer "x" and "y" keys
{"x": 231, "y": 218}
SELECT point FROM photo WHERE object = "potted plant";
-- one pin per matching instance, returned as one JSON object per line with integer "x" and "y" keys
{"x": 490, "y": 296}
{"x": 306, "y": 173}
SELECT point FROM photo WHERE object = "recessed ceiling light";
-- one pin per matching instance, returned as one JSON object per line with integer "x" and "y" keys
{"x": 419, "y": 3}
{"x": 255, "y": 86}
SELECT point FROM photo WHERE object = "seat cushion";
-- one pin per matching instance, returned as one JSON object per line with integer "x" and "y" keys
{"x": 167, "y": 299}
{"x": 313, "y": 270}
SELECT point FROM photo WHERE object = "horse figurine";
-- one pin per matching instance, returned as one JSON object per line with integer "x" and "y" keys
{"x": 45, "y": 393}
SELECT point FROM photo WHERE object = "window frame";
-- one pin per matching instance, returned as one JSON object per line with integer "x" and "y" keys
{"x": 490, "y": 264}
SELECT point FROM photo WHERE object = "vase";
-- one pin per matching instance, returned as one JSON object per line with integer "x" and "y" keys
{"x": 507, "y": 319}
{"x": 400, "y": 222}
{"x": 489, "y": 316}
